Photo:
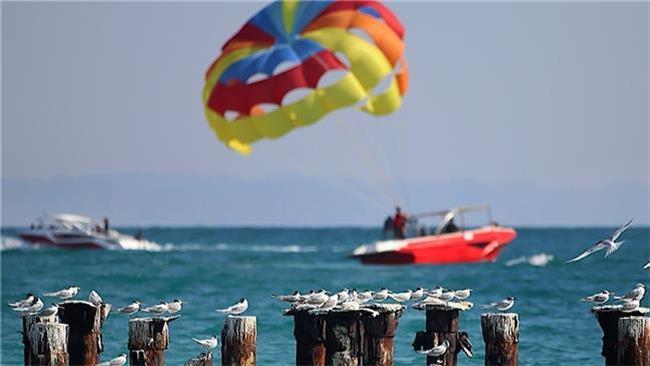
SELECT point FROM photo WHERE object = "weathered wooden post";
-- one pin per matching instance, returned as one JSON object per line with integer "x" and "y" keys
{"x": 204, "y": 359}
{"x": 148, "y": 340}
{"x": 49, "y": 344}
{"x": 343, "y": 338}
{"x": 634, "y": 341}
{"x": 85, "y": 322}
{"x": 608, "y": 316}
{"x": 28, "y": 322}
{"x": 238, "y": 341}
{"x": 501, "y": 337}
{"x": 379, "y": 332}
{"x": 442, "y": 323}
{"x": 309, "y": 331}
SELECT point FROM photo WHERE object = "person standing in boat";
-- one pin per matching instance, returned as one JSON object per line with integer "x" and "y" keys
{"x": 399, "y": 224}
{"x": 388, "y": 227}
{"x": 106, "y": 226}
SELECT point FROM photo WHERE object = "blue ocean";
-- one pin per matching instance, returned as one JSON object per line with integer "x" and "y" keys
{"x": 212, "y": 268}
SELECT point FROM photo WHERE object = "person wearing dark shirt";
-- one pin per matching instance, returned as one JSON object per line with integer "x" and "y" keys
{"x": 388, "y": 227}
{"x": 450, "y": 227}
{"x": 399, "y": 224}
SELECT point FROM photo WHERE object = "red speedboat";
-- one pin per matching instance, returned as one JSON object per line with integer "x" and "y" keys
{"x": 447, "y": 243}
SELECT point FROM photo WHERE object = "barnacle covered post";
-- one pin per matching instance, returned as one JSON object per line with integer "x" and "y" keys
{"x": 148, "y": 340}
{"x": 85, "y": 322}
{"x": 442, "y": 323}
{"x": 501, "y": 337}
{"x": 238, "y": 341}
{"x": 379, "y": 332}
{"x": 309, "y": 331}
{"x": 608, "y": 317}
{"x": 634, "y": 341}
{"x": 46, "y": 341}
{"x": 343, "y": 338}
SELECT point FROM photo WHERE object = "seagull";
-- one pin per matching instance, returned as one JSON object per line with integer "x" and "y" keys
{"x": 209, "y": 344}
{"x": 436, "y": 292}
{"x": 401, "y": 296}
{"x": 95, "y": 298}
{"x": 646, "y": 266}
{"x": 599, "y": 298}
{"x": 236, "y": 309}
{"x": 157, "y": 309}
{"x": 502, "y": 305}
{"x": 49, "y": 311}
{"x": 610, "y": 244}
{"x": 175, "y": 306}
{"x": 350, "y": 305}
{"x": 447, "y": 295}
{"x": 23, "y": 303}
{"x": 462, "y": 294}
{"x": 381, "y": 295}
{"x": 630, "y": 305}
{"x": 130, "y": 309}
{"x": 637, "y": 293}
{"x": 365, "y": 296}
{"x": 344, "y": 294}
{"x": 305, "y": 297}
{"x": 417, "y": 294}
{"x": 330, "y": 303}
{"x": 117, "y": 361}
{"x": 318, "y": 298}
{"x": 37, "y": 305}
{"x": 436, "y": 351}
{"x": 66, "y": 293}
{"x": 292, "y": 299}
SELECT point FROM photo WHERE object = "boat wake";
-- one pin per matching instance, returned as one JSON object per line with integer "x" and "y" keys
{"x": 537, "y": 260}
{"x": 9, "y": 243}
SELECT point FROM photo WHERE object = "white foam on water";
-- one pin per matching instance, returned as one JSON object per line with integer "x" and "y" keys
{"x": 537, "y": 260}
{"x": 10, "y": 243}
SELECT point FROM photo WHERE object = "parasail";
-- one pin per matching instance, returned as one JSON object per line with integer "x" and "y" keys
{"x": 246, "y": 86}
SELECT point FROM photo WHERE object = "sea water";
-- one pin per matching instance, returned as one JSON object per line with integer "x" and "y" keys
{"x": 212, "y": 268}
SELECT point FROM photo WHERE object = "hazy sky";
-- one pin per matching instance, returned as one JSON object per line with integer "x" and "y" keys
{"x": 542, "y": 100}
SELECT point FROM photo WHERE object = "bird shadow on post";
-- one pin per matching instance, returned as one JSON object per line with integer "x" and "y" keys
{"x": 85, "y": 322}
{"x": 608, "y": 317}
{"x": 148, "y": 340}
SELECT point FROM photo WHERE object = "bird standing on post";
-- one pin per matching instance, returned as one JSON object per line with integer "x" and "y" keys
{"x": 503, "y": 305}
{"x": 238, "y": 308}
{"x": 208, "y": 344}
{"x": 65, "y": 294}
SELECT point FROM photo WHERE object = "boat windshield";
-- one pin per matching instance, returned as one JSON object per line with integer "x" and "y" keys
{"x": 442, "y": 222}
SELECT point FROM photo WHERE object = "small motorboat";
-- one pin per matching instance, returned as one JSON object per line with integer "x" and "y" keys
{"x": 76, "y": 231}
{"x": 447, "y": 243}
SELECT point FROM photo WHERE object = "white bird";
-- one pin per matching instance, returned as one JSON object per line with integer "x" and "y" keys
{"x": 236, "y": 309}
{"x": 436, "y": 351}
{"x": 130, "y": 309}
{"x": 502, "y": 305}
{"x": 401, "y": 296}
{"x": 350, "y": 305}
{"x": 463, "y": 294}
{"x": 343, "y": 295}
{"x": 117, "y": 361}
{"x": 305, "y": 297}
{"x": 292, "y": 299}
{"x": 208, "y": 344}
{"x": 637, "y": 293}
{"x": 364, "y": 296}
{"x": 417, "y": 294}
{"x": 94, "y": 298}
{"x": 318, "y": 298}
{"x": 598, "y": 298}
{"x": 610, "y": 244}
{"x": 330, "y": 303}
{"x": 158, "y": 309}
{"x": 447, "y": 295}
{"x": 48, "y": 311}
{"x": 65, "y": 294}
{"x": 175, "y": 306}
{"x": 23, "y": 303}
{"x": 381, "y": 295}
{"x": 630, "y": 305}
{"x": 436, "y": 292}
{"x": 37, "y": 305}
{"x": 646, "y": 266}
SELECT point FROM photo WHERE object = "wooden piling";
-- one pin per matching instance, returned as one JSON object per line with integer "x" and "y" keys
{"x": 442, "y": 323}
{"x": 608, "y": 317}
{"x": 309, "y": 332}
{"x": 204, "y": 359}
{"x": 343, "y": 338}
{"x": 501, "y": 337}
{"x": 634, "y": 341}
{"x": 48, "y": 344}
{"x": 238, "y": 341}
{"x": 148, "y": 340}
{"x": 85, "y": 322}
{"x": 28, "y": 322}
{"x": 379, "y": 332}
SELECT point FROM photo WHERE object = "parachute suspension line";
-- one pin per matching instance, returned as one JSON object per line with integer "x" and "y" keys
{"x": 372, "y": 166}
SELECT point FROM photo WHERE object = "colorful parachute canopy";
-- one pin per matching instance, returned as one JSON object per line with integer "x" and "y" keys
{"x": 313, "y": 37}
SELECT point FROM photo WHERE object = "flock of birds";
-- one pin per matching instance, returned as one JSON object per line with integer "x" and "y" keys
{"x": 32, "y": 305}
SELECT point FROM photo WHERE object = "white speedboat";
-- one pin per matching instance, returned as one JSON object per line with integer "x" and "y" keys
{"x": 75, "y": 232}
